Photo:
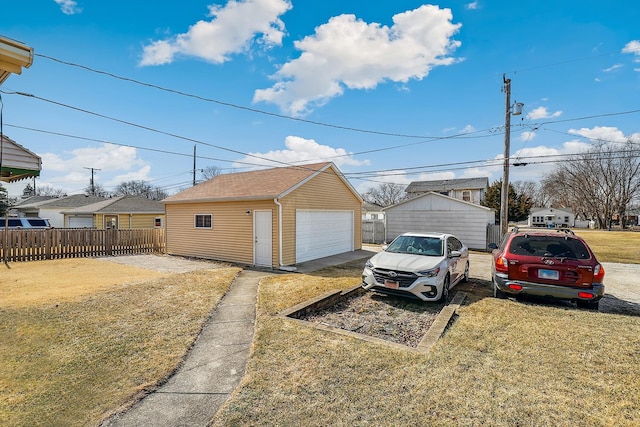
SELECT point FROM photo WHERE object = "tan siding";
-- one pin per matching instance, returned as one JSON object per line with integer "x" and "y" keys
{"x": 230, "y": 239}
{"x": 98, "y": 221}
{"x": 326, "y": 191}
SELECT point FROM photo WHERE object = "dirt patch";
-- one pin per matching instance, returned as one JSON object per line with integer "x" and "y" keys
{"x": 399, "y": 320}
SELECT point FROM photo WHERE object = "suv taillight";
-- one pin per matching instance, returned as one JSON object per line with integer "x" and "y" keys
{"x": 598, "y": 274}
{"x": 502, "y": 265}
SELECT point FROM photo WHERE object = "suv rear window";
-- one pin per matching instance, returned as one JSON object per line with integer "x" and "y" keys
{"x": 550, "y": 246}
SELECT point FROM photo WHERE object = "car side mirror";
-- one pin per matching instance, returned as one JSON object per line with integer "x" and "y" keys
{"x": 455, "y": 254}
{"x": 384, "y": 247}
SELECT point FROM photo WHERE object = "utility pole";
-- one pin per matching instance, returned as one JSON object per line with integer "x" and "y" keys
{"x": 504, "y": 194}
{"x": 93, "y": 187}
{"x": 194, "y": 165}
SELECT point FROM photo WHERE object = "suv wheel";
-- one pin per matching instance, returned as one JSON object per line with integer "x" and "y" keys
{"x": 589, "y": 305}
{"x": 497, "y": 293}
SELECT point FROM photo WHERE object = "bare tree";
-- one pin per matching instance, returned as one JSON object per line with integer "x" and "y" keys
{"x": 139, "y": 188}
{"x": 385, "y": 194}
{"x": 48, "y": 190}
{"x": 598, "y": 183}
{"x": 96, "y": 190}
{"x": 210, "y": 172}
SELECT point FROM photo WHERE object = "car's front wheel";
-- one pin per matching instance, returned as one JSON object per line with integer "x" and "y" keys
{"x": 445, "y": 290}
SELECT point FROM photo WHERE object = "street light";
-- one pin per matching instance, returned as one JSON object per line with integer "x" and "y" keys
{"x": 515, "y": 109}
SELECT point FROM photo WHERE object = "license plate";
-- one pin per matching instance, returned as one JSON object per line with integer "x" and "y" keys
{"x": 391, "y": 284}
{"x": 548, "y": 274}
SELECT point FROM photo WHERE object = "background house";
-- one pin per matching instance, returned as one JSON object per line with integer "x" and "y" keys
{"x": 551, "y": 217}
{"x": 54, "y": 208}
{"x": 472, "y": 190}
{"x": 123, "y": 212}
{"x": 371, "y": 211}
{"x": 272, "y": 217}
{"x": 434, "y": 212}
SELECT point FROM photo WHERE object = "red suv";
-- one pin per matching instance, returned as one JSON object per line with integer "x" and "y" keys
{"x": 555, "y": 264}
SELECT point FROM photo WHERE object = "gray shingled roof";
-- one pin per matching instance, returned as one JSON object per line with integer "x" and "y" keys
{"x": 73, "y": 201}
{"x": 33, "y": 201}
{"x": 121, "y": 205}
{"x": 448, "y": 185}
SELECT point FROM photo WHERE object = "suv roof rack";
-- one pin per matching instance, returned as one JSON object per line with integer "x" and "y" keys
{"x": 566, "y": 231}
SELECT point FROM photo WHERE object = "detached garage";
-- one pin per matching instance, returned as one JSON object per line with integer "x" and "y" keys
{"x": 275, "y": 217}
{"x": 438, "y": 213}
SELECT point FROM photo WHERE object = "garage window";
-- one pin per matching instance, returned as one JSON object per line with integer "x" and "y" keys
{"x": 203, "y": 221}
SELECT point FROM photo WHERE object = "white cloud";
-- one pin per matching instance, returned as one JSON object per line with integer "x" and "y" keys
{"x": 612, "y": 68}
{"x": 68, "y": 7}
{"x": 527, "y": 136}
{"x": 633, "y": 47}
{"x": 542, "y": 113}
{"x": 347, "y": 52}
{"x": 232, "y": 29}
{"x": 69, "y": 171}
{"x": 605, "y": 134}
{"x": 472, "y": 6}
{"x": 301, "y": 150}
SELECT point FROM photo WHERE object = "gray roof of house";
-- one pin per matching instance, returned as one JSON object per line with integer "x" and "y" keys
{"x": 33, "y": 201}
{"x": 121, "y": 205}
{"x": 371, "y": 207}
{"x": 448, "y": 185}
{"x": 73, "y": 201}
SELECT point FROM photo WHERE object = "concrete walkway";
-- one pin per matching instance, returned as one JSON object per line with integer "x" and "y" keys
{"x": 216, "y": 363}
{"x": 212, "y": 369}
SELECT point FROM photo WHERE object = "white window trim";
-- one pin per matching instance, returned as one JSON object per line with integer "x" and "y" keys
{"x": 195, "y": 223}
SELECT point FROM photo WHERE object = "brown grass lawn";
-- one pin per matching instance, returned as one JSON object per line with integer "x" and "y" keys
{"x": 613, "y": 246}
{"x": 80, "y": 342}
{"x": 502, "y": 363}
{"x": 81, "y": 338}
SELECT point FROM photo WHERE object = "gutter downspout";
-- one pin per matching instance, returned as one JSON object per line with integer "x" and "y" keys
{"x": 281, "y": 266}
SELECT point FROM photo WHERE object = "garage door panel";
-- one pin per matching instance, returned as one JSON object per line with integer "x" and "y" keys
{"x": 323, "y": 233}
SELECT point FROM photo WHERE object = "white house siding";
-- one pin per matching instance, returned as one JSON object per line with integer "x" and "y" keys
{"x": 437, "y": 213}
{"x": 55, "y": 216}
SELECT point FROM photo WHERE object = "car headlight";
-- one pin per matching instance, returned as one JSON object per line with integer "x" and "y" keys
{"x": 430, "y": 273}
{"x": 368, "y": 264}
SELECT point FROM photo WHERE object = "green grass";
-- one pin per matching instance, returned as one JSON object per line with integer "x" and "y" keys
{"x": 502, "y": 363}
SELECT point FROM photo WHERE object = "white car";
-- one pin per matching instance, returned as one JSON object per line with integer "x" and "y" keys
{"x": 419, "y": 265}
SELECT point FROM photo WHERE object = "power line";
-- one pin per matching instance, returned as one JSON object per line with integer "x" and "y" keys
{"x": 228, "y": 104}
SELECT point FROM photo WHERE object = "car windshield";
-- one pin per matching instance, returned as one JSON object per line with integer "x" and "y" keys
{"x": 549, "y": 246}
{"x": 419, "y": 245}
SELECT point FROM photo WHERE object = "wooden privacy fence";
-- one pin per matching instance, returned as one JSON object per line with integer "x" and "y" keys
{"x": 32, "y": 245}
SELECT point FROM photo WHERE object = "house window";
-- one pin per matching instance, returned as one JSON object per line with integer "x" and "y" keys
{"x": 466, "y": 196}
{"x": 111, "y": 222}
{"x": 204, "y": 221}
{"x": 566, "y": 219}
{"x": 157, "y": 222}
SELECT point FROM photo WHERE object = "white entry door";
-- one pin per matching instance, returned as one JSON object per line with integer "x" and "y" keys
{"x": 262, "y": 235}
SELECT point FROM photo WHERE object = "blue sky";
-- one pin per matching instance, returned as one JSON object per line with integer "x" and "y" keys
{"x": 391, "y": 91}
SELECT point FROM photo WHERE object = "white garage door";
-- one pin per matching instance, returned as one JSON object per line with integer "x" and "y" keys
{"x": 80, "y": 222}
{"x": 323, "y": 233}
